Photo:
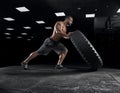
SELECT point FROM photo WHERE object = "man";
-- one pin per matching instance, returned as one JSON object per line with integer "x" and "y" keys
{"x": 53, "y": 43}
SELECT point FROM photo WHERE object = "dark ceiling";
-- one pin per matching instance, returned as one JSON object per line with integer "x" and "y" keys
{"x": 45, "y": 9}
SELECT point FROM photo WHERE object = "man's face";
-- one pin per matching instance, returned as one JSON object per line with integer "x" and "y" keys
{"x": 70, "y": 21}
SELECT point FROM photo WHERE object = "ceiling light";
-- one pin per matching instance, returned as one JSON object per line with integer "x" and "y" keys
{"x": 8, "y": 37}
{"x": 96, "y": 9}
{"x": 32, "y": 37}
{"x": 22, "y": 9}
{"x": 9, "y": 19}
{"x": 48, "y": 27}
{"x": 9, "y": 29}
{"x": 118, "y": 11}
{"x": 19, "y": 37}
{"x": 27, "y": 27}
{"x": 60, "y": 14}
{"x": 7, "y": 33}
{"x": 40, "y": 22}
{"x": 23, "y": 33}
{"x": 90, "y": 15}
{"x": 28, "y": 39}
{"x": 79, "y": 8}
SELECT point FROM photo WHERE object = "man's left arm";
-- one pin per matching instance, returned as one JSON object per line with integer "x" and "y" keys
{"x": 68, "y": 35}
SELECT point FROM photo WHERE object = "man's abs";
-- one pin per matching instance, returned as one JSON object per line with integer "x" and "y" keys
{"x": 55, "y": 36}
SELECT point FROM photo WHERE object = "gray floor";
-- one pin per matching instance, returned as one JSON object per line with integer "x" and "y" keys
{"x": 44, "y": 79}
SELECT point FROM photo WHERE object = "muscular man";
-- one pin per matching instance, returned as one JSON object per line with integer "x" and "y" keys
{"x": 53, "y": 43}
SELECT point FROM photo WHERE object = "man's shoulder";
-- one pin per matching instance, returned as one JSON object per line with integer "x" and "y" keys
{"x": 59, "y": 22}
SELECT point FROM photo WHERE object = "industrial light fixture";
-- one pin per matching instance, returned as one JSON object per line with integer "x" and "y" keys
{"x": 9, "y": 29}
{"x": 60, "y": 14}
{"x": 23, "y": 33}
{"x": 27, "y": 27}
{"x": 90, "y": 15}
{"x": 7, "y": 33}
{"x": 9, "y": 19}
{"x": 40, "y": 22}
{"x": 28, "y": 39}
{"x": 48, "y": 27}
{"x": 118, "y": 11}
{"x": 19, "y": 37}
{"x": 22, "y": 9}
{"x": 79, "y": 8}
{"x": 8, "y": 37}
{"x": 96, "y": 10}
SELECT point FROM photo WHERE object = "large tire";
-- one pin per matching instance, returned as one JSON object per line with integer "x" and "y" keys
{"x": 86, "y": 49}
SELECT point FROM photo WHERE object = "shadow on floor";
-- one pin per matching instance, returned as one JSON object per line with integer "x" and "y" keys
{"x": 47, "y": 71}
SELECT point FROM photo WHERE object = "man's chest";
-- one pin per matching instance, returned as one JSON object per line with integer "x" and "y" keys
{"x": 64, "y": 28}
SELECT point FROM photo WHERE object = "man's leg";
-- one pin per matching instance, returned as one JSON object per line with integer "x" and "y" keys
{"x": 61, "y": 58}
{"x": 62, "y": 51}
{"x": 31, "y": 56}
{"x": 28, "y": 59}
{"x": 44, "y": 49}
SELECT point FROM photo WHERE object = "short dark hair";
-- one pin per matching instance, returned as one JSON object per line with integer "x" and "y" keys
{"x": 67, "y": 17}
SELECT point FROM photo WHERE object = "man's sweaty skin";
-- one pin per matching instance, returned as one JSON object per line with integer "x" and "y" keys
{"x": 59, "y": 31}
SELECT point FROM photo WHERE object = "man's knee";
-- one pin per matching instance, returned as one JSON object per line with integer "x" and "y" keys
{"x": 65, "y": 52}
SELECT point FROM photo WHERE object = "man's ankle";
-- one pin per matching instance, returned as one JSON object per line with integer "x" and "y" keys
{"x": 25, "y": 62}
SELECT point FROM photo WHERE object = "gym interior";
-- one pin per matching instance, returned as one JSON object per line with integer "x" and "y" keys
{"x": 25, "y": 24}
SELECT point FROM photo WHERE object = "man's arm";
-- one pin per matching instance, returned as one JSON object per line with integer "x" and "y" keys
{"x": 60, "y": 30}
{"x": 68, "y": 37}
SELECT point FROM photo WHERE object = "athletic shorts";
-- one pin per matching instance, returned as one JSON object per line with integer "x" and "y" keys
{"x": 49, "y": 45}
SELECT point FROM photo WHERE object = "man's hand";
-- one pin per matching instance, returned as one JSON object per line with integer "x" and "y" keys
{"x": 68, "y": 35}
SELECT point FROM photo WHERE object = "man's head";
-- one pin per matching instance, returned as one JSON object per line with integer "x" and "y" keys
{"x": 69, "y": 20}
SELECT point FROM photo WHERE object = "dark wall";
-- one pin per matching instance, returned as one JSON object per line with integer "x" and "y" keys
{"x": 107, "y": 36}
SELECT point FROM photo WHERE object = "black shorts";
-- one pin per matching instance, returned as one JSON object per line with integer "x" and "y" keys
{"x": 50, "y": 45}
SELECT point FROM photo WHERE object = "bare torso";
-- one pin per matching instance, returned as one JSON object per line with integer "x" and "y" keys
{"x": 57, "y": 36}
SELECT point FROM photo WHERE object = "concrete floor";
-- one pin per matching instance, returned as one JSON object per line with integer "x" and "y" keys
{"x": 44, "y": 79}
